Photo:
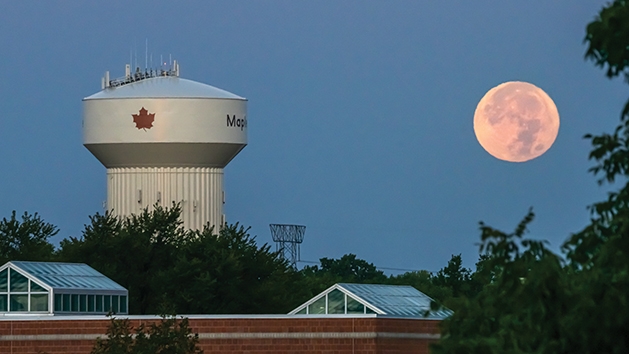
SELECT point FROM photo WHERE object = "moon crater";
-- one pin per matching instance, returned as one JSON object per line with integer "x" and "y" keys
{"x": 516, "y": 121}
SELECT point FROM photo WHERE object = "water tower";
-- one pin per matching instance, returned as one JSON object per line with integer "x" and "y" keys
{"x": 165, "y": 139}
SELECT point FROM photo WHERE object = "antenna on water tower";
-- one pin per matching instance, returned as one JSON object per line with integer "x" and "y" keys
{"x": 125, "y": 126}
{"x": 287, "y": 240}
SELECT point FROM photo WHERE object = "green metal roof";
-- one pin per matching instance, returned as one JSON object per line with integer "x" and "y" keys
{"x": 388, "y": 300}
{"x": 396, "y": 300}
{"x": 67, "y": 276}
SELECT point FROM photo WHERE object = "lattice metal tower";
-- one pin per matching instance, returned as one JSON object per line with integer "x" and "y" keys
{"x": 287, "y": 240}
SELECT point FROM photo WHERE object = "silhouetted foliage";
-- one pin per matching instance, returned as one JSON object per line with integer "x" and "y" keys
{"x": 132, "y": 251}
{"x": 455, "y": 277}
{"x": 537, "y": 302}
{"x": 229, "y": 273}
{"x": 119, "y": 339}
{"x": 26, "y": 239}
{"x": 423, "y": 281}
{"x": 171, "y": 335}
{"x": 608, "y": 42}
{"x": 522, "y": 307}
{"x": 165, "y": 267}
{"x": 347, "y": 269}
{"x": 446, "y": 287}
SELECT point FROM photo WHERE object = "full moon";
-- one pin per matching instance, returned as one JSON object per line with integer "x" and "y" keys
{"x": 516, "y": 121}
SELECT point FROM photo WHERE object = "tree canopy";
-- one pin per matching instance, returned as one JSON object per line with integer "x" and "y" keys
{"x": 26, "y": 239}
{"x": 534, "y": 301}
{"x": 167, "y": 268}
{"x": 171, "y": 335}
{"x": 347, "y": 269}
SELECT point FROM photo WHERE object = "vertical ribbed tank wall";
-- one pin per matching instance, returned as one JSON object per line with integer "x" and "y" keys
{"x": 165, "y": 139}
{"x": 199, "y": 190}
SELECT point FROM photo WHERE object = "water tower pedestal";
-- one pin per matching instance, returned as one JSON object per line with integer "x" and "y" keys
{"x": 198, "y": 189}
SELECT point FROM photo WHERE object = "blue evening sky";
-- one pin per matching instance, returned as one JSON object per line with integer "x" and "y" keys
{"x": 360, "y": 114}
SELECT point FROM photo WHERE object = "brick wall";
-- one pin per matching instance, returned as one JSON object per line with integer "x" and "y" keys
{"x": 222, "y": 334}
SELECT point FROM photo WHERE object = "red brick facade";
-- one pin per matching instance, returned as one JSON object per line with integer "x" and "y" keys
{"x": 225, "y": 334}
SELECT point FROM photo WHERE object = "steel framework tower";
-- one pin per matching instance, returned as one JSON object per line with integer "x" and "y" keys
{"x": 287, "y": 240}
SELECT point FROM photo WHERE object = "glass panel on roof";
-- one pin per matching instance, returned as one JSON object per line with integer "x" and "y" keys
{"x": 301, "y": 312}
{"x": 354, "y": 306}
{"x": 90, "y": 303}
{"x": 4, "y": 280}
{"x": 39, "y": 302}
{"x": 68, "y": 276}
{"x": 317, "y": 307}
{"x": 83, "y": 303}
{"x": 66, "y": 302}
{"x": 36, "y": 287}
{"x": 58, "y": 302}
{"x": 393, "y": 300}
{"x": 369, "y": 310}
{"x": 60, "y": 282}
{"x": 18, "y": 281}
{"x": 75, "y": 303}
{"x": 106, "y": 303}
{"x": 114, "y": 303}
{"x": 123, "y": 304}
{"x": 336, "y": 302}
{"x": 99, "y": 303}
{"x": 4, "y": 300}
{"x": 19, "y": 303}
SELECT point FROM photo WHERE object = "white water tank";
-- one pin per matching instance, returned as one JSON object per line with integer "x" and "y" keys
{"x": 165, "y": 139}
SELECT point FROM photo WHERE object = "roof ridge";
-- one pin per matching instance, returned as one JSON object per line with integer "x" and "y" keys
{"x": 49, "y": 262}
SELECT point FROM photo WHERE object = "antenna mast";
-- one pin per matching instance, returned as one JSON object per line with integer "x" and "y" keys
{"x": 287, "y": 240}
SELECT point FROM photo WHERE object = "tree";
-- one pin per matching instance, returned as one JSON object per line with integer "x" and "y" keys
{"x": 347, "y": 269}
{"x": 599, "y": 253}
{"x": 26, "y": 240}
{"x": 229, "y": 273}
{"x": 446, "y": 287}
{"x": 521, "y": 309}
{"x": 168, "y": 268}
{"x": 131, "y": 251}
{"x": 455, "y": 277}
{"x": 537, "y": 302}
{"x": 119, "y": 339}
{"x": 608, "y": 42}
{"x": 171, "y": 335}
{"x": 424, "y": 281}
{"x": 450, "y": 283}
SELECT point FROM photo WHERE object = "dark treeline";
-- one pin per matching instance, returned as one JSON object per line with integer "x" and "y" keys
{"x": 168, "y": 269}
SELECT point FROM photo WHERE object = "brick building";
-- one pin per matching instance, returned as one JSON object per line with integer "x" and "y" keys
{"x": 346, "y": 318}
{"x": 370, "y": 333}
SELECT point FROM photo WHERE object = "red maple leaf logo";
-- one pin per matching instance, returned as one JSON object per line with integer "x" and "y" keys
{"x": 144, "y": 120}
